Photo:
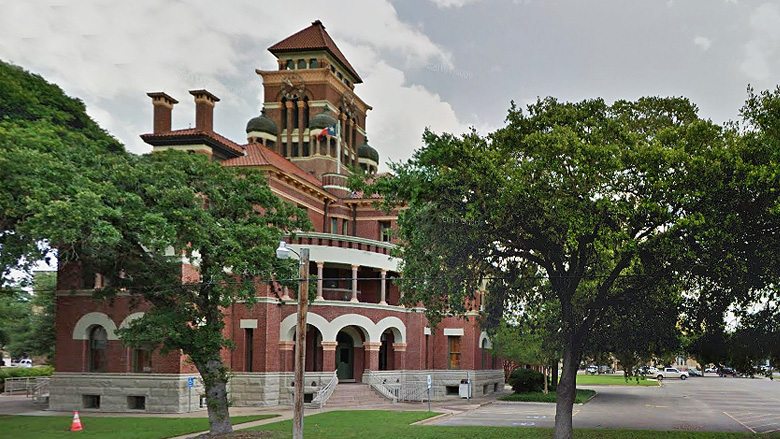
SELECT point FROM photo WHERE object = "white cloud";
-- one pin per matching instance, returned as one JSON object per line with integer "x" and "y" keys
{"x": 703, "y": 42}
{"x": 760, "y": 57}
{"x": 109, "y": 54}
{"x": 444, "y": 4}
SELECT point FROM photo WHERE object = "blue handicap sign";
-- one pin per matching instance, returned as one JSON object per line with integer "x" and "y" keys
{"x": 191, "y": 382}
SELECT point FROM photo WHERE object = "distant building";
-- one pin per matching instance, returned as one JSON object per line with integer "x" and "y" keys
{"x": 357, "y": 330}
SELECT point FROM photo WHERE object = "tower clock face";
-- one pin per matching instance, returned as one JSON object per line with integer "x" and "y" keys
{"x": 293, "y": 86}
{"x": 348, "y": 104}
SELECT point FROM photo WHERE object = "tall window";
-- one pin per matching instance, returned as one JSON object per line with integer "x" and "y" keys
{"x": 344, "y": 227}
{"x": 98, "y": 342}
{"x": 453, "y": 352}
{"x": 142, "y": 360}
{"x": 485, "y": 357}
{"x": 384, "y": 231}
{"x": 249, "y": 350}
{"x": 334, "y": 226}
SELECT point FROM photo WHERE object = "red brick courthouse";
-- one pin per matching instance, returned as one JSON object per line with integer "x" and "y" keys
{"x": 357, "y": 332}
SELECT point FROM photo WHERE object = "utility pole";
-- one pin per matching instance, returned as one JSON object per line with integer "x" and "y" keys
{"x": 300, "y": 342}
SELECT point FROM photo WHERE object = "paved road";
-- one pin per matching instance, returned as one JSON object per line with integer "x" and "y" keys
{"x": 705, "y": 404}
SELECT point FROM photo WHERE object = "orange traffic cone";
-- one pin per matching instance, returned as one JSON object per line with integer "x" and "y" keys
{"x": 76, "y": 425}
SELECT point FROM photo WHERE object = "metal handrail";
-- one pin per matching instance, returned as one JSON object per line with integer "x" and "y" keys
{"x": 345, "y": 238}
{"x": 324, "y": 394}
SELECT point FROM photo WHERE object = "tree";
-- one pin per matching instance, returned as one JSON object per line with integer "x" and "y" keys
{"x": 70, "y": 188}
{"x": 579, "y": 205}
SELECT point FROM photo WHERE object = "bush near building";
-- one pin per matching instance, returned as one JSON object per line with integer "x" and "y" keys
{"x": 23, "y": 372}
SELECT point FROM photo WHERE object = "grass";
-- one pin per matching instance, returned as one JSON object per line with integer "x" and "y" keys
{"x": 55, "y": 427}
{"x": 396, "y": 425}
{"x": 583, "y": 395}
{"x": 613, "y": 380}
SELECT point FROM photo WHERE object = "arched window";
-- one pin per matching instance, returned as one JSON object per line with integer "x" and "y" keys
{"x": 98, "y": 342}
{"x": 290, "y": 64}
{"x": 313, "y": 64}
{"x": 301, "y": 63}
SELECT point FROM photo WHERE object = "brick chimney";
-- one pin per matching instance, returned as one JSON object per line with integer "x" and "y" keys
{"x": 204, "y": 109}
{"x": 163, "y": 106}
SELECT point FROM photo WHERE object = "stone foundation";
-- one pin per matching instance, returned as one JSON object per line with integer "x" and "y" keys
{"x": 124, "y": 393}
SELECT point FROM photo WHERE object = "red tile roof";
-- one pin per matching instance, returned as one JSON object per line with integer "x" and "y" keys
{"x": 191, "y": 132}
{"x": 258, "y": 155}
{"x": 314, "y": 37}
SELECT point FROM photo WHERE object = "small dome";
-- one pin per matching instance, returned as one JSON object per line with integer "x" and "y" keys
{"x": 322, "y": 120}
{"x": 263, "y": 124}
{"x": 365, "y": 151}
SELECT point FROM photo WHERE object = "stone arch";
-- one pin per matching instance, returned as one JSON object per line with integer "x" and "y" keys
{"x": 363, "y": 323}
{"x": 126, "y": 322}
{"x": 81, "y": 330}
{"x": 287, "y": 326}
{"x": 484, "y": 340}
{"x": 354, "y": 334}
{"x": 395, "y": 325}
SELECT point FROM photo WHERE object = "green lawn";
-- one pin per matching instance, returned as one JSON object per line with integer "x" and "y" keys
{"x": 613, "y": 380}
{"x": 395, "y": 425}
{"x": 55, "y": 427}
{"x": 582, "y": 397}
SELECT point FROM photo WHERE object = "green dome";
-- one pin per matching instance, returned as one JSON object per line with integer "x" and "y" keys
{"x": 365, "y": 151}
{"x": 322, "y": 120}
{"x": 263, "y": 124}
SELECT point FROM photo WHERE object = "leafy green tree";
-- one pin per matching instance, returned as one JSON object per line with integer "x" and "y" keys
{"x": 581, "y": 201}
{"x": 70, "y": 188}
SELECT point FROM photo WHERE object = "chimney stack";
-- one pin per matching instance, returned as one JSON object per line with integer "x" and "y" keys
{"x": 204, "y": 110}
{"x": 163, "y": 107}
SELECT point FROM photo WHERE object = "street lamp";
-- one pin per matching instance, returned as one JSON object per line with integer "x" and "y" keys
{"x": 283, "y": 252}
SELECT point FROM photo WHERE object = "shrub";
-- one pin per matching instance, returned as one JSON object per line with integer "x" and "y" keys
{"x": 22, "y": 372}
{"x": 526, "y": 380}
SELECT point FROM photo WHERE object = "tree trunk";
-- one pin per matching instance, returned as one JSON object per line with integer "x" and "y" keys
{"x": 567, "y": 389}
{"x": 545, "y": 374}
{"x": 555, "y": 374}
{"x": 215, "y": 382}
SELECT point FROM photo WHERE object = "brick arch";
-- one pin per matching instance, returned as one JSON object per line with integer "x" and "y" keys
{"x": 81, "y": 330}
{"x": 288, "y": 325}
{"x": 484, "y": 337}
{"x": 362, "y": 323}
{"x": 126, "y": 322}
{"x": 395, "y": 325}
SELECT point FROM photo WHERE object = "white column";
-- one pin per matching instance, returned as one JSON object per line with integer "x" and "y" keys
{"x": 320, "y": 266}
{"x": 354, "y": 283}
{"x": 383, "y": 289}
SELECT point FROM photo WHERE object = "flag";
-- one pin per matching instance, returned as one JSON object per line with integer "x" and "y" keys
{"x": 329, "y": 131}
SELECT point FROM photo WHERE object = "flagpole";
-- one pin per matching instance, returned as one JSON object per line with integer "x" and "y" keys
{"x": 338, "y": 147}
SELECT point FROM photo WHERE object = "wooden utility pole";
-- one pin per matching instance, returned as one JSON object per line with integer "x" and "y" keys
{"x": 300, "y": 342}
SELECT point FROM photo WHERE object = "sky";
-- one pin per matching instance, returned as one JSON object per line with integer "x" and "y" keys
{"x": 449, "y": 65}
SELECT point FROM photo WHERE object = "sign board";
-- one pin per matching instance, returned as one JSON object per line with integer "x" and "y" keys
{"x": 429, "y": 381}
{"x": 191, "y": 382}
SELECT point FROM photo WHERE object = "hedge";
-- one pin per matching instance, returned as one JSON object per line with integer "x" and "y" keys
{"x": 23, "y": 372}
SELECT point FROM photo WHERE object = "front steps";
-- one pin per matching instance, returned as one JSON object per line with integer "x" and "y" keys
{"x": 355, "y": 394}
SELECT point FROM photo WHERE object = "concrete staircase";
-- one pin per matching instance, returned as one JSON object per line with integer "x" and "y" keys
{"x": 355, "y": 394}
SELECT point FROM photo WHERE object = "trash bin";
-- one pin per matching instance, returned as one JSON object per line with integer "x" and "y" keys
{"x": 464, "y": 390}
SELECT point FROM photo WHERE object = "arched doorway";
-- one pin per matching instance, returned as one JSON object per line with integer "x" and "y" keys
{"x": 345, "y": 357}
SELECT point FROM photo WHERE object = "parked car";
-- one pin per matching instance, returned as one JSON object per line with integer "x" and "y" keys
{"x": 694, "y": 372}
{"x": 727, "y": 371}
{"x": 711, "y": 369}
{"x": 647, "y": 370}
{"x": 592, "y": 370}
{"x": 670, "y": 372}
{"x": 24, "y": 362}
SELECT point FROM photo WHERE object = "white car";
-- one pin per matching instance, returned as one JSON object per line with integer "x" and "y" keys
{"x": 670, "y": 372}
{"x": 25, "y": 362}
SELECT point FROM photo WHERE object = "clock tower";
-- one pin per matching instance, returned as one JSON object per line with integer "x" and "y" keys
{"x": 311, "y": 115}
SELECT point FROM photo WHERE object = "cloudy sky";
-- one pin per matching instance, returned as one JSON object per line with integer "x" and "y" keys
{"x": 445, "y": 64}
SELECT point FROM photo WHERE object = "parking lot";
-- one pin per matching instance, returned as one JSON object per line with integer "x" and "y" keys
{"x": 704, "y": 404}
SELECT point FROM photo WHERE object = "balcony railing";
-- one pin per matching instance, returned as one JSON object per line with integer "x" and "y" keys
{"x": 343, "y": 241}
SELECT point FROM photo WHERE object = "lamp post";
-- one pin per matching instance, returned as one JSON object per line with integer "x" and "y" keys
{"x": 283, "y": 252}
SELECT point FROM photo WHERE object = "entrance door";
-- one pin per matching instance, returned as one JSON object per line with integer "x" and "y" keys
{"x": 345, "y": 357}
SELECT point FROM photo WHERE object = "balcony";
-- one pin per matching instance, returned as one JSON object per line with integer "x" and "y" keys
{"x": 342, "y": 241}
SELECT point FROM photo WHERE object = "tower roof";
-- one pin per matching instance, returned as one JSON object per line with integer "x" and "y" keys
{"x": 314, "y": 37}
